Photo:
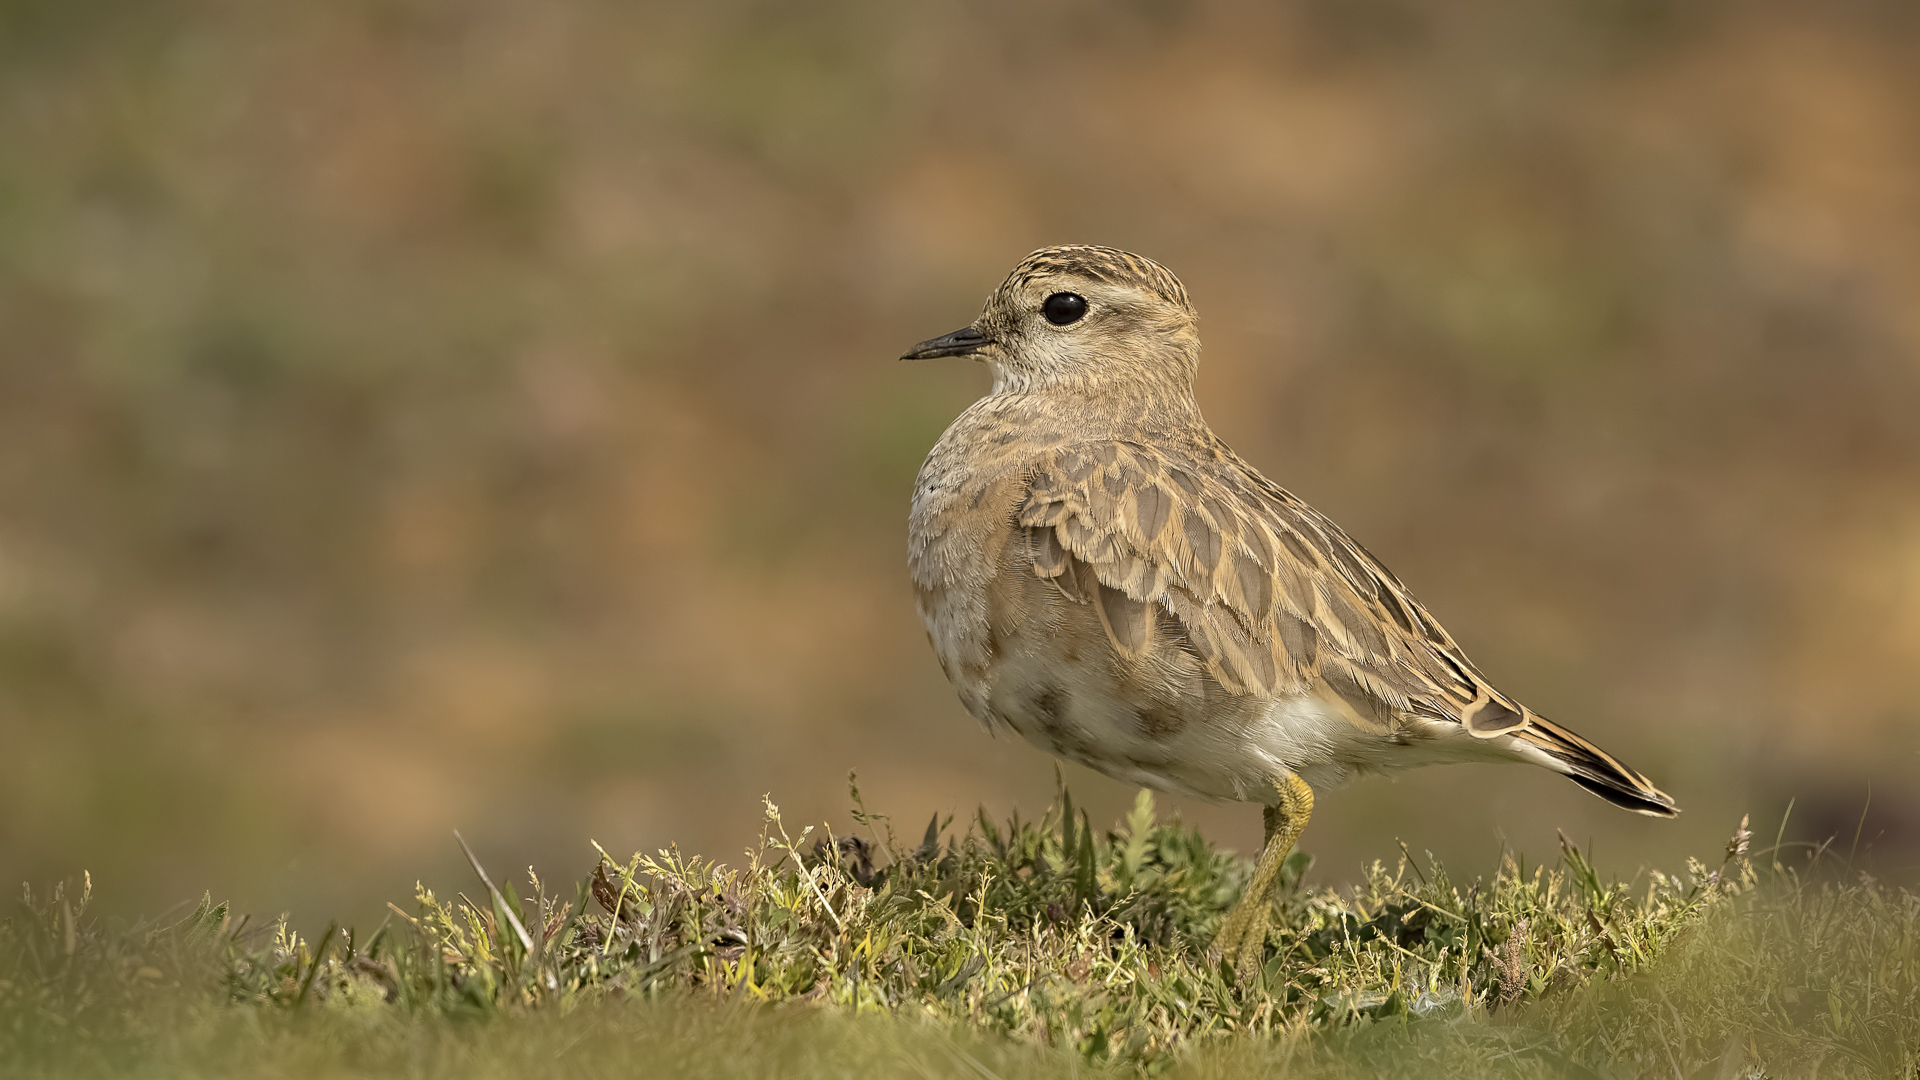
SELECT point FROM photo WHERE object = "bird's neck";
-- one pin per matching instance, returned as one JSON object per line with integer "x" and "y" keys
{"x": 1097, "y": 408}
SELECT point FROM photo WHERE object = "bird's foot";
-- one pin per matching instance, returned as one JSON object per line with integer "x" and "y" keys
{"x": 1242, "y": 940}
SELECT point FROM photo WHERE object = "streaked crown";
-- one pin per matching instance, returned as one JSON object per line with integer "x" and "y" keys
{"x": 1104, "y": 264}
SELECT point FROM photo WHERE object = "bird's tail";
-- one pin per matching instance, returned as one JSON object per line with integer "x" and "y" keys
{"x": 1596, "y": 770}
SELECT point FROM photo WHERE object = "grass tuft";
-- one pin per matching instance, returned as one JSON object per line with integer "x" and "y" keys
{"x": 1018, "y": 947}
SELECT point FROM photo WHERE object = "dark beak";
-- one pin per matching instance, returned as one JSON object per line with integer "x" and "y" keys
{"x": 962, "y": 342}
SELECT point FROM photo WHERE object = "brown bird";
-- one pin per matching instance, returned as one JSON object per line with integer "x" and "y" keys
{"x": 1098, "y": 572}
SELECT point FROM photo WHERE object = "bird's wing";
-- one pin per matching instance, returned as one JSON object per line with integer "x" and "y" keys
{"x": 1273, "y": 597}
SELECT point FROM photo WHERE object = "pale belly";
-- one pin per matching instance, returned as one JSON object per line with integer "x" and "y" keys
{"x": 1217, "y": 746}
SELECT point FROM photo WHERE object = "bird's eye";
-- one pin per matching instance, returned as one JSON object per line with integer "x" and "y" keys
{"x": 1064, "y": 307}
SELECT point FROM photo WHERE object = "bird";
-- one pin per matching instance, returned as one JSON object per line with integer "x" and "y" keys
{"x": 1099, "y": 573}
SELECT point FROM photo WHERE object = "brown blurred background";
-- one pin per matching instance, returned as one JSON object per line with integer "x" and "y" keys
{"x": 419, "y": 414}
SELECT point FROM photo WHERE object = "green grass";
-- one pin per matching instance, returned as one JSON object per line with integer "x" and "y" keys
{"x": 999, "y": 949}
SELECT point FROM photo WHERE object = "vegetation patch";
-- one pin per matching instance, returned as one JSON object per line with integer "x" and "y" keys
{"x": 1001, "y": 948}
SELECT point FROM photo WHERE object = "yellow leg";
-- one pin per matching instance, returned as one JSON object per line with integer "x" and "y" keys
{"x": 1243, "y": 936}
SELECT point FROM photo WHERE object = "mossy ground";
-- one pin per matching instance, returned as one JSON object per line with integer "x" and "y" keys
{"x": 999, "y": 949}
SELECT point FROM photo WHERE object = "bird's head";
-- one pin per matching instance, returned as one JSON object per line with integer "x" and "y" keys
{"x": 1079, "y": 317}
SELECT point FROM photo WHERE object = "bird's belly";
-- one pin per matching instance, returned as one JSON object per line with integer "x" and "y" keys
{"x": 1173, "y": 730}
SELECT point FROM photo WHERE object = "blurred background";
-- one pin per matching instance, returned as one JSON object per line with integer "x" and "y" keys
{"x": 420, "y": 414}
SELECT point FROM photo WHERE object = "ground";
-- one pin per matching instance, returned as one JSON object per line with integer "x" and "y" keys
{"x": 999, "y": 949}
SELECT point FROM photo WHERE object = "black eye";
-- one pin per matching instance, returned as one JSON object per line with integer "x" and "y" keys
{"x": 1064, "y": 307}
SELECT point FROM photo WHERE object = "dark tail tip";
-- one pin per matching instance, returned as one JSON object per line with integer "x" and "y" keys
{"x": 1653, "y": 802}
{"x": 1596, "y": 770}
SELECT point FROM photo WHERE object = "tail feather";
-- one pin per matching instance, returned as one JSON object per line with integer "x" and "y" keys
{"x": 1596, "y": 770}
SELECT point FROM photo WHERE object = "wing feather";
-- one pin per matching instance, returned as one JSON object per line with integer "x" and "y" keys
{"x": 1271, "y": 595}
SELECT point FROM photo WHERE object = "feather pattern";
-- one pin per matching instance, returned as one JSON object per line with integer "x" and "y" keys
{"x": 1274, "y": 590}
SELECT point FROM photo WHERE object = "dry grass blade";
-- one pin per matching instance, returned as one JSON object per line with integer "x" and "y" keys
{"x": 499, "y": 901}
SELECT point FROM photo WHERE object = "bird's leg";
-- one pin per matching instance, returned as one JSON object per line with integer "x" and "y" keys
{"x": 1243, "y": 935}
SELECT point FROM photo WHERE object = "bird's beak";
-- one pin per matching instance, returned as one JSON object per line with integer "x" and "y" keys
{"x": 962, "y": 342}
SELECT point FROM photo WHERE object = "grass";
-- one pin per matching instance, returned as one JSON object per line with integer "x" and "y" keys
{"x": 999, "y": 949}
